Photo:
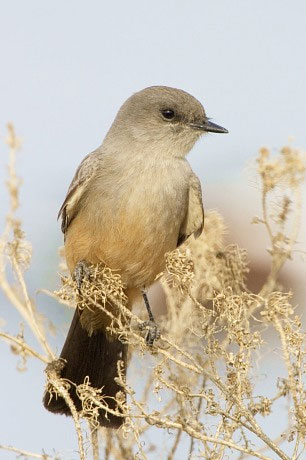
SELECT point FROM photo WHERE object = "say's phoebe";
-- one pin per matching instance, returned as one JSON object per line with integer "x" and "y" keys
{"x": 131, "y": 201}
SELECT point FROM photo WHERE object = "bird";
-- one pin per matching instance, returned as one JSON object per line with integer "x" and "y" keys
{"x": 131, "y": 201}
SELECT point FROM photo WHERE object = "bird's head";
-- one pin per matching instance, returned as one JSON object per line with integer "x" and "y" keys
{"x": 163, "y": 118}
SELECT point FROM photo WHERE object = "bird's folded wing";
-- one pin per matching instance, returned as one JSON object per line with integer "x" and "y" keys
{"x": 85, "y": 172}
{"x": 194, "y": 220}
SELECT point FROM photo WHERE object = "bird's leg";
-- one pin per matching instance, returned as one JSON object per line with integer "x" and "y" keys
{"x": 81, "y": 272}
{"x": 152, "y": 330}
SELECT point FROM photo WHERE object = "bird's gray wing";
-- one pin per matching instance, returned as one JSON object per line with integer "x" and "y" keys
{"x": 194, "y": 219}
{"x": 85, "y": 172}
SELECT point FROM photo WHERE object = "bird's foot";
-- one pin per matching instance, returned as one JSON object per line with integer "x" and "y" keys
{"x": 81, "y": 272}
{"x": 152, "y": 332}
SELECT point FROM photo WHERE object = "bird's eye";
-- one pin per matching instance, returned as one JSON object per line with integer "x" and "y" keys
{"x": 168, "y": 114}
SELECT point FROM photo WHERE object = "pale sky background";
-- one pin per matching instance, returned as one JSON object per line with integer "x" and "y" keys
{"x": 67, "y": 66}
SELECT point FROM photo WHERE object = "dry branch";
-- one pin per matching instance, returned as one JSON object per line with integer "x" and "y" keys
{"x": 199, "y": 378}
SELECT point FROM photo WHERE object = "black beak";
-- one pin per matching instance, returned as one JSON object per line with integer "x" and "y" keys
{"x": 208, "y": 126}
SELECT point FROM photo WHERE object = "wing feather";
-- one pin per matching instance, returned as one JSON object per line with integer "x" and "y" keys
{"x": 194, "y": 220}
{"x": 82, "y": 177}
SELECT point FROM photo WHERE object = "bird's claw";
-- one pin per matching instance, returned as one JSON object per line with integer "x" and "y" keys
{"x": 152, "y": 332}
{"x": 81, "y": 272}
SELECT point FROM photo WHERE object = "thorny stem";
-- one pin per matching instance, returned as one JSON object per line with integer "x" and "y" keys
{"x": 94, "y": 441}
{"x": 54, "y": 380}
{"x": 167, "y": 423}
{"x": 278, "y": 259}
{"x": 200, "y": 401}
{"x": 25, "y": 453}
{"x": 24, "y": 346}
{"x": 296, "y": 447}
{"x": 32, "y": 321}
{"x": 219, "y": 430}
{"x": 298, "y": 411}
{"x": 254, "y": 426}
{"x": 25, "y": 308}
{"x": 24, "y": 311}
{"x": 153, "y": 420}
{"x": 175, "y": 445}
{"x": 199, "y": 370}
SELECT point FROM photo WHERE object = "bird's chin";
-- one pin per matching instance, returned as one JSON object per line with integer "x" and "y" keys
{"x": 188, "y": 142}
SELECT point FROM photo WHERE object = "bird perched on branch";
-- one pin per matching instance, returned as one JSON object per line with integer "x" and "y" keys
{"x": 131, "y": 201}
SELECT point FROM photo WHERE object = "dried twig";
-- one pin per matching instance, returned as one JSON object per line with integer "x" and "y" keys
{"x": 212, "y": 333}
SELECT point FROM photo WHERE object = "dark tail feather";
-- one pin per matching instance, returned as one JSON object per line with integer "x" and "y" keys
{"x": 95, "y": 357}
